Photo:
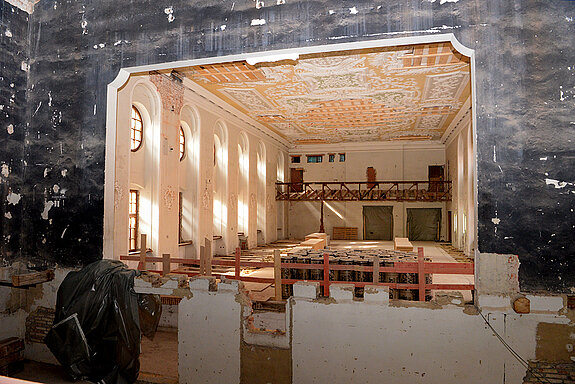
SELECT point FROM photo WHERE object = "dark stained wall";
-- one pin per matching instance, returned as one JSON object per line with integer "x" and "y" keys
{"x": 525, "y": 78}
{"x": 13, "y": 78}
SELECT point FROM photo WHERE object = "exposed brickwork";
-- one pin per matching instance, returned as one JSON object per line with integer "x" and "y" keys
{"x": 171, "y": 91}
{"x": 38, "y": 323}
{"x": 547, "y": 372}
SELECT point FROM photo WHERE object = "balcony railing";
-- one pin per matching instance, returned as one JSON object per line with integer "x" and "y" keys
{"x": 361, "y": 191}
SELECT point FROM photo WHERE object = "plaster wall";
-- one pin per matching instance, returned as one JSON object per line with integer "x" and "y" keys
{"x": 155, "y": 170}
{"x": 209, "y": 334}
{"x": 391, "y": 162}
{"x": 522, "y": 105}
{"x": 343, "y": 340}
{"x": 460, "y": 169}
{"x": 397, "y": 344}
{"x": 14, "y": 65}
{"x": 350, "y": 214}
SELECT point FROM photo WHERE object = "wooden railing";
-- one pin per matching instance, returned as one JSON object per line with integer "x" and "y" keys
{"x": 421, "y": 268}
{"x": 360, "y": 191}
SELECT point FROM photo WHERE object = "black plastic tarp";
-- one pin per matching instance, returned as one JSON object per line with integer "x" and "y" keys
{"x": 99, "y": 321}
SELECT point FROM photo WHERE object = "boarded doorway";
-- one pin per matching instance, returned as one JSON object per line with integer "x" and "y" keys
{"x": 378, "y": 223}
{"x": 296, "y": 178}
{"x": 423, "y": 224}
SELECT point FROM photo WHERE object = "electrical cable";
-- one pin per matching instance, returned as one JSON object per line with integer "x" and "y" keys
{"x": 516, "y": 355}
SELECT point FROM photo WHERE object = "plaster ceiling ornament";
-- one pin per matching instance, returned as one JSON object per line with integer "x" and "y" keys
{"x": 443, "y": 88}
{"x": 119, "y": 195}
{"x": 169, "y": 197}
{"x": 206, "y": 199}
{"x": 270, "y": 204}
{"x": 233, "y": 202}
{"x": 347, "y": 96}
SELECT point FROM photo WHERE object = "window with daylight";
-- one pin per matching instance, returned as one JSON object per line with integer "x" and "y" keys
{"x": 136, "y": 130}
{"x": 341, "y": 157}
{"x": 133, "y": 218}
{"x": 331, "y": 157}
{"x": 315, "y": 158}
{"x": 182, "y": 143}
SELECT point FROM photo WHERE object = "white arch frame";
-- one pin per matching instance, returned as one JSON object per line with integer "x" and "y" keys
{"x": 259, "y": 130}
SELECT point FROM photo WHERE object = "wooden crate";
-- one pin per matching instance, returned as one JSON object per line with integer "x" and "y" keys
{"x": 11, "y": 355}
{"x": 345, "y": 233}
{"x": 10, "y": 346}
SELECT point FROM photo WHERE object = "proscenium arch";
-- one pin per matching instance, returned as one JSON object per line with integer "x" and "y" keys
{"x": 258, "y": 130}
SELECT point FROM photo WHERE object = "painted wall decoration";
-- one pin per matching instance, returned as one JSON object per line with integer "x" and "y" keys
{"x": 365, "y": 95}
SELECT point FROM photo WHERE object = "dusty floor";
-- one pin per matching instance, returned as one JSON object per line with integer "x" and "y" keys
{"x": 158, "y": 363}
{"x": 159, "y": 358}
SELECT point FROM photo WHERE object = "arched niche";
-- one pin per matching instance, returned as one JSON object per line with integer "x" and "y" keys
{"x": 261, "y": 192}
{"x": 243, "y": 182}
{"x": 189, "y": 181}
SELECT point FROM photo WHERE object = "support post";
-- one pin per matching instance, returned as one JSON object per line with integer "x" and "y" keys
{"x": 375, "y": 270}
{"x": 326, "y": 275}
{"x": 321, "y": 227}
{"x": 165, "y": 264}
{"x": 208, "y": 256}
{"x": 202, "y": 260}
{"x": 143, "y": 243}
{"x": 237, "y": 265}
{"x": 278, "y": 274}
{"x": 421, "y": 273}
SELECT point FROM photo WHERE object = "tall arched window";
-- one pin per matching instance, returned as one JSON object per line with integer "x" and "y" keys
{"x": 182, "y": 143}
{"x": 137, "y": 130}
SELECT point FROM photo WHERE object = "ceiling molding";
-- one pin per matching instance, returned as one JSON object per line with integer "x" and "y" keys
{"x": 367, "y": 147}
{"x": 458, "y": 123}
{"x": 208, "y": 101}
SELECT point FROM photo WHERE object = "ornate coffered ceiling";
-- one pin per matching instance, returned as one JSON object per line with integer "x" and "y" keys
{"x": 399, "y": 93}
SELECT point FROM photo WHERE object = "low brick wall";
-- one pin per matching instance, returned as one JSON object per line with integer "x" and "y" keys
{"x": 541, "y": 372}
{"x": 38, "y": 323}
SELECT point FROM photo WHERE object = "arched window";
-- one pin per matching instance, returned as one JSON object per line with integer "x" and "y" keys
{"x": 182, "y": 143}
{"x": 136, "y": 130}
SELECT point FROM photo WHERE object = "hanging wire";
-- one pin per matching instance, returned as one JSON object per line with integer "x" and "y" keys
{"x": 516, "y": 355}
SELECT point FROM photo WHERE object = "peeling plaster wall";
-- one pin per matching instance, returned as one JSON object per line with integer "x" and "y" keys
{"x": 342, "y": 340}
{"x": 374, "y": 341}
{"x": 13, "y": 77}
{"x": 525, "y": 78}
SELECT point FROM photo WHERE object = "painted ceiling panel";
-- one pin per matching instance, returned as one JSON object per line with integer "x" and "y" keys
{"x": 397, "y": 93}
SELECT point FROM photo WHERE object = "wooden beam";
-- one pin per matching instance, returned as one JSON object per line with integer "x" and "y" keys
{"x": 421, "y": 273}
{"x": 166, "y": 264}
{"x": 202, "y": 260}
{"x": 277, "y": 274}
{"x": 237, "y": 265}
{"x": 208, "y": 257}
{"x": 143, "y": 243}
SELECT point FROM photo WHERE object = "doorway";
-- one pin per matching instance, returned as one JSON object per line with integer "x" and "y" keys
{"x": 378, "y": 223}
{"x": 423, "y": 224}
{"x": 296, "y": 178}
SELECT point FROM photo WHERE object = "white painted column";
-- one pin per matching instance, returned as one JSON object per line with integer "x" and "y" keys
{"x": 252, "y": 193}
{"x": 122, "y": 172}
